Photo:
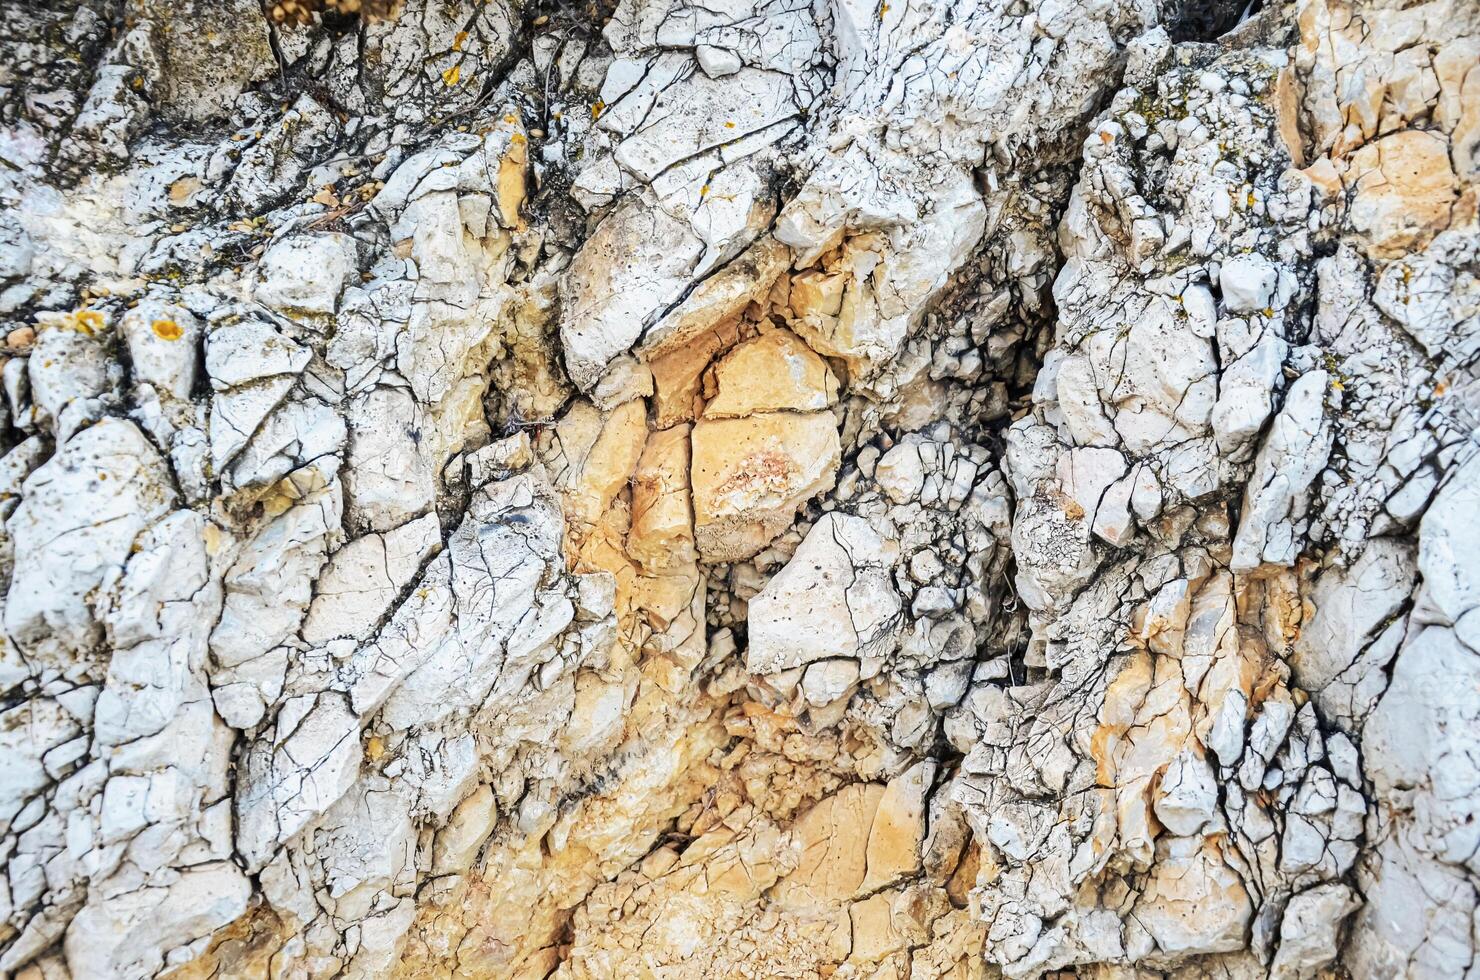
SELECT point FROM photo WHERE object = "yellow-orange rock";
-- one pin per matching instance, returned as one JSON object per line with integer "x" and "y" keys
{"x": 817, "y": 295}
{"x": 1404, "y": 189}
{"x": 719, "y": 298}
{"x": 677, "y": 374}
{"x": 899, "y": 827}
{"x": 750, "y": 475}
{"x": 874, "y": 932}
{"x": 662, "y": 535}
{"x": 598, "y": 474}
{"x": 1194, "y": 902}
{"x": 776, "y": 371}
{"x": 833, "y": 837}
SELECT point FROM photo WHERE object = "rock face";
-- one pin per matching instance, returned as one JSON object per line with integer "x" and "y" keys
{"x": 953, "y": 489}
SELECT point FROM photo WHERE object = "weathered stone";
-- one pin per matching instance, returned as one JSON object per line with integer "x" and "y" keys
{"x": 1403, "y": 189}
{"x": 775, "y": 372}
{"x": 750, "y": 476}
{"x": 833, "y": 599}
{"x": 929, "y": 490}
{"x": 1310, "y": 931}
{"x": 662, "y": 534}
{"x": 306, "y": 273}
{"x": 79, "y": 516}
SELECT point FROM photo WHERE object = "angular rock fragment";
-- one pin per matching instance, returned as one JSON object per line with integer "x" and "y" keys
{"x": 775, "y": 372}
{"x": 306, "y": 274}
{"x": 79, "y": 517}
{"x": 750, "y": 475}
{"x": 833, "y": 599}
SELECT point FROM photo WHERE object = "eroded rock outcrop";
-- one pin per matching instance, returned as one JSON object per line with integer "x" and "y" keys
{"x": 936, "y": 490}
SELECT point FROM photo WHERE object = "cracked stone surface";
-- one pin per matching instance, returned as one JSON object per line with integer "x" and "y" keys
{"x": 901, "y": 491}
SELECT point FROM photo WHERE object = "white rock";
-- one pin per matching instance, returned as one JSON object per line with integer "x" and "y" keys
{"x": 389, "y": 480}
{"x": 470, "y": 824}
{"x": 833, "y": 599}
{"x": 81, "y": 513}
{"x": 503, "y": 622}
{"x": 269, "y": 586}
{"x": 828, "y": 680}
{"x": 68, "y": 373}
{"x": 1310, "y": 931}
{"x": 1247, "y": 283}
{"x": 128, "y": 934}
{"x": 252, "y": 368}
{"x": 164, "y": 345}
{"x": 1292, "y": 456}
{"x": 636, "y": 263}
{"x": 1189, "y": 794}
{"x": 901, "y": 473}
{"x": 306, "y": 762}
{"x": 362, "y": 579}
{"x": 158, "y": 621}
{"x": 1449, "y": 540}
{"x": 1246, "y": 393}
{"x": 250, "y": 350}
{"x": 717, "y": 62}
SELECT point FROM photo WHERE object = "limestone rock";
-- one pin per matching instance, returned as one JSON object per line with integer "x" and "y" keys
{"x": 833, "y": 599}
{"x": 934, "y": 490}
{"x": 211, "y": 52}
{"x": 773, "y": 373}
{"x": 750, "y": 475}
{"x": 306, "y": 273}
{"x": 662, "y": 534}
{"x": 1309, "y": 931}
{"x": 77, "y": 521}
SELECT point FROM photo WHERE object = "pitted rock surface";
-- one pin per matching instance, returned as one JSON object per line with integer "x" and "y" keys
{"x": 649, "y": 488}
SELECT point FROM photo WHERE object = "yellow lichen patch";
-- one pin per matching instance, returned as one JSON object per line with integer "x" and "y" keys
{"x": 374, "y": 748}
{"x": 167, "y": 330}
{"x": 451, "y": 76}
{"x": 596, "y": 108}
{"x": 87, "y": 322}
{"x": 457, "y": 42}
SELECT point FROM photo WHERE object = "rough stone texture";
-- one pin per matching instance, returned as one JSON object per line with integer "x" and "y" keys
{"x": 954, "y": 489}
